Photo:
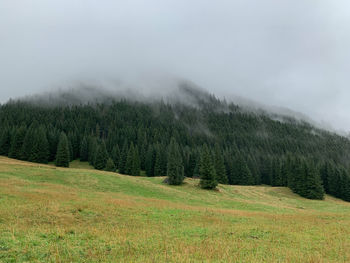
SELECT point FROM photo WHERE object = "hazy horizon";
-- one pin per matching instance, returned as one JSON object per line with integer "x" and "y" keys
{"x": 280, "y": 53}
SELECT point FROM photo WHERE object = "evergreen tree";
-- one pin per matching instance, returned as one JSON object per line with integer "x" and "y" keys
{"x": 313, "y": 185}
{"x": 115, "y": 154}
{"x": 123, "y": 157}
{"x": 84, "y": 150}
{"x": 53, "y": 136}
{"x": 240, "y": 172}
{"x": 254, "y": 170}
{"x": 196, "y": 171}
{"x": 110, "y": 167}
{"x": 5, "y": 141}
{"x": 70, "y": 147}
{"x": 135, "y": 170}
{"x": 129, "y": 159}
{"x": 40, "y": 149}
{"x": 92, "y": 150}
{"x": 160, "y": 161}
{"x": 17, "y": 142}
{"x": 207, "y": 170}
{"x": 276, "y": 176}
{"x": 62, "y": 156}
{"x": 175, "y": 169}
{"x": 150, "y": 161}
{"x": 220, "y": 166}
{"x": 27, "y": 144}
{"x": 191, "y": 165}
{"x": 101, "y": 157}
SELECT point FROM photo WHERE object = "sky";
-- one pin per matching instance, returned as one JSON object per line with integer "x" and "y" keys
{"x": 289, "y": 53}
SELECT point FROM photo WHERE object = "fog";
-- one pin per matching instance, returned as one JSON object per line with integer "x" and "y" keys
{"x": 292, "y": 54}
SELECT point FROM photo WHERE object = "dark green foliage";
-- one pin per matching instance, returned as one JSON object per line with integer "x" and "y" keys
{"x": 53, "y": 136}
{"x": 101, "y": 157}
{"x": 17, "y": 142}
{"x": 313, "y": 184}
{"x": 110, "y": 167}
{"x": 196, "y": 172}
{"x": 175, "y": 169}
{"x": 160, "y": 165}
{"x": 28, "y": 143}
{"x": 305, "y": 181}
{"x": 276, "y": 173}
{"x": 115, "y": 154}
{"x": 62, "y": 156}
{"x": 254, "y": 148}
{"x": 254, "y": 170}
{"x": 84, "y": 150}
{"x": 123, "y": 157}
{"x": 129, "y": 159}
{"x": 74, "y": 144}
{"x": 40, "y": 147}
{"x": 220, "y": 166}
{"x": 191, "y": 165}
{"x": 92, "y": 150}
{"x": 150, "y": 161}
{"x": 135, "y": 168}
{"x": 207, "y": 170}
{"x": 240, "y": 173}
{"x": 5, "y": 141}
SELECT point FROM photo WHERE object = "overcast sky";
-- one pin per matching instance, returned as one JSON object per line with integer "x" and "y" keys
{"x": 291, "y": 53}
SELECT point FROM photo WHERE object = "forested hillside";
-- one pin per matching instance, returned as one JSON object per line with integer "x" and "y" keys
{"x": 204, "y": 136}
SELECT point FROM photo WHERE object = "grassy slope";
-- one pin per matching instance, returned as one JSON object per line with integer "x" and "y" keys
{"x": 50, "y": 214}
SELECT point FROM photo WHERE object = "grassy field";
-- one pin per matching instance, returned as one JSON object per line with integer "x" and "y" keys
{"x": 50, "y": 214}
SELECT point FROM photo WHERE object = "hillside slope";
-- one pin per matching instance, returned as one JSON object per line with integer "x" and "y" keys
{"x": 246, "y": 148}
{"x": 50, "y": 214}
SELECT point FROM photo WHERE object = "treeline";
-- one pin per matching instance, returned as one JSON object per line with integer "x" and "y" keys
{"x": 214, "y": 141}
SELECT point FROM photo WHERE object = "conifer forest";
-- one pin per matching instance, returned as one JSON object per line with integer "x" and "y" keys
{"x": 213, "y": 140}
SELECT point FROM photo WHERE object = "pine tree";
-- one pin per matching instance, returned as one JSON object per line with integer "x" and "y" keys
{"x": 129, "y": 159}
{"x": 196, "y": 172}
{"x": 5, "y": 141}
{"x": 207, "y": 170}
{"x": 158, "y": 162}
{"x": 240, "y": 172}
{"x": 122, "y": 159}
{"x": 191, "y": 165}
{"x": 175, "y": 169}
{"x": 84, "y": 150}
{"x": 115, "y": 155}
{"x": 160, "y": 165}
{"x": 101, "y": 157}
{"x": 53, "y": 136}
{"x": 150, "y": 161}
{"x": 312, "y": 182}
{"x": 40, "y": 149}
{"x": 74, "y": 143}
{"x": 17, "y": 142}
{"x": 62, "y": 156}
{"x": 135, "y": 170}
{"x": 93, "y": 148}
{"x": 276, "y": 176}
{"x": 266, "y": 170}
{"x": 220, "y": 166}
{"x": 110, "y": 167}
{"x": 70, "y": 147}
{"x": 27, "y": 144}
{"x": 253, "y": 168}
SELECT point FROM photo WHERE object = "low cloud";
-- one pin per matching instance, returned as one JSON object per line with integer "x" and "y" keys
{"x": 291, "y": 54}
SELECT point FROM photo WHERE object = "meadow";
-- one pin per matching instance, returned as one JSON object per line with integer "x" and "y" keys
{"x": 78, "y": 214}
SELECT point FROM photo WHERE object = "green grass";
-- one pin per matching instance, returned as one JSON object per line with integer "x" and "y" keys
{"x": 50, "y": 214}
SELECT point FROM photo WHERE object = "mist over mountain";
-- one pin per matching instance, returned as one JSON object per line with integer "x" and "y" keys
{"x": 168, "y": 90}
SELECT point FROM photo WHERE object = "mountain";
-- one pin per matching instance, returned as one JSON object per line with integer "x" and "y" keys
{"x": 132, "y": 132}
